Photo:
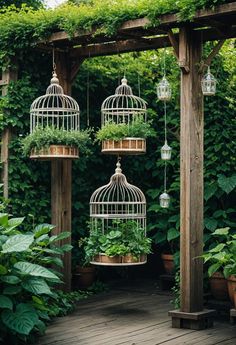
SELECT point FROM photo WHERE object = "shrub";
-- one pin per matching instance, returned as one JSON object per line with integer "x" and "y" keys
{"x": 26, "y": 279}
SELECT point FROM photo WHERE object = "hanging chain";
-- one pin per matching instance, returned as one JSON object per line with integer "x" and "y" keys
{"x": 165, "y": 121}
{"x": 165, "y": 177}
{"x": 139, "y": 85}
{"x": 164, "y": 62}
{"x": 88, "y": 96}
{"x": 53, "y": 60}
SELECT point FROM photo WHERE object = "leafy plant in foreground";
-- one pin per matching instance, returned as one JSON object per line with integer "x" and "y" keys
{"x": 26, "y": 279}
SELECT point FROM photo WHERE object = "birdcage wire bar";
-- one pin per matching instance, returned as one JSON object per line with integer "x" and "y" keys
{"x": 55, "y": 109}
{"x": 117, "y": 200}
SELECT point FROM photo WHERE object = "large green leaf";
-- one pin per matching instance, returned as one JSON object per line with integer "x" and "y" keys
{"x": 209, "y": 191}
{"x": 213, "y": 268}
{"x": 172, "y": 234}
{"x": 17, "y": 243}
{"x": 10, "y": 279}
{"x": 5, "y": 302}
{"x": 3, "y": 270}
{"x": 37, "y": 286}
{"x": 42, "y": 229}
{"x": 14, "y": 222}
{"x": 12, "y": 290}
{"x": 227, "y": 184}
{"x": 3, "y": 219}
{"x": 59, "y": 237}
{"x": 221, "y": 231}
{"x": 210, "y": 223}
{"x": 27, "y": 268}
{"x": 22, "y": 321}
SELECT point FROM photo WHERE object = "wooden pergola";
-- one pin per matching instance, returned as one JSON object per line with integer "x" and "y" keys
{"x": 187, "y": 39}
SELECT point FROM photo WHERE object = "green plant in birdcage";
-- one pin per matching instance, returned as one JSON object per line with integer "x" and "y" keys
{"x": 44, "y": 137}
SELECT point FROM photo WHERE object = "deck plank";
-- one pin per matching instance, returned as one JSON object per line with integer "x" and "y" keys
{"x": 130, "y": 317}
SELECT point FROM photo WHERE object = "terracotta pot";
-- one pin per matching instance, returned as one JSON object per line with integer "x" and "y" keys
{"x": 132, "y": 146}
{"x": 219, "y": 288}
{"x": 85, "y": 276}
{"x": 168, "y": 263}
{"x": 55, "y": 151}
{"x": 110, "y": 259}
{"x": 231, "y": 281}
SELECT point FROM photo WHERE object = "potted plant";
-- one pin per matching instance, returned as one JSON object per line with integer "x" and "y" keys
{"x": 124, "y": 243}
{"x": 50, "y": 142}
{"x": 125, "y": 138}
{"x": 221, "y": 261}
{"x": 166, "y": 237}
{"x": 85, "y": 274}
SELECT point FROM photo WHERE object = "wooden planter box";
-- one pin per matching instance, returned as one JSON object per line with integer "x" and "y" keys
{"x": 54, "y": 152}
{"x": 129, "y": 258}
{"x": 127, "y": 146}
{"x": 119, "y": 260}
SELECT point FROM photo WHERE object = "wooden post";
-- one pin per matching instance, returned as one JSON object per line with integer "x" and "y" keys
{"x": 61, "y": 171}
{"x": 191, "y": 314}
{"x": 7, "y": 76}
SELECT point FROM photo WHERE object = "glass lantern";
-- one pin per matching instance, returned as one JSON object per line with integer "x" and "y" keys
{"x": 164, "y": 200}
{"x": 166, "y": 152}
{"x": 208, "y": 84}
{"x": 164, "y": 90}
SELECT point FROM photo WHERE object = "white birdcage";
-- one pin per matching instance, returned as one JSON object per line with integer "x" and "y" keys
{"x": 114, "y": 206}
{"x": 123, "y": 108}
{"x": 55, "y": 109}
{"x": 164, "y": 90}
{"x": 208, "y": 84}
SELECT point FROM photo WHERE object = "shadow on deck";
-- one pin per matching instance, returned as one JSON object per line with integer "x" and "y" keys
{"x": 130, "y": 315}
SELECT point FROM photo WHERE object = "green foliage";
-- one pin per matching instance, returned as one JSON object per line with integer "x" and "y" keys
{"x": 21, "y": 29}
{"x": 137, "y": 129}
{"x": 24, "y": 279}
{"x": 44, "y": 137}
{"x": 222, "y": 254}
{"x": 121, "y": 238}
{"x": 18, "y": 3}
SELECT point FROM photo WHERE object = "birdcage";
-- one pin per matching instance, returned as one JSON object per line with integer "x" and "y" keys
{"x": 54, "y": 111}
{"x": 118, "y": 223}
{"x": 124, "y": 110}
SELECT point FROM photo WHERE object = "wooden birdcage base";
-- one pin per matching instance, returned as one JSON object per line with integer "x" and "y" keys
{"x": 119, "y": 260}
{"x": 126, "y": 146}
{"x": 55, "y": 152}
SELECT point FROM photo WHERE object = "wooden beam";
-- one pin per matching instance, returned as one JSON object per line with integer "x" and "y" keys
{"x": 191, "y": 176}
{"x": 61, "y": 209}
{"x": 210, "y": 57}
{"x": 61, "y": 180}
{"x": 184, "y": 52}
{"x": 166, "y": 22}
{"x": 7, "y": 76}
{"x": 120, "y": 47}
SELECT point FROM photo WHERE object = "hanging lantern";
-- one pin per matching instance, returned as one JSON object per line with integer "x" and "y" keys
{"x": 166, "y": 152}
{"x": 164, "y": 200}
{"x": 208, "y": 84}
{"x": 118, "y": 223}
{"x": 123, "y": 108}
{"x": 164, "y": 90}
{"x": 55, "y": 111}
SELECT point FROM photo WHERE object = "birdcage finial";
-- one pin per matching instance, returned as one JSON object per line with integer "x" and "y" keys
{"x": 54, "y": 79}
{"x": 118, "y": 166}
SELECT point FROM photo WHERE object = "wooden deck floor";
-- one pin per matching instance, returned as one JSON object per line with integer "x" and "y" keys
{"x": 130, "y": 316}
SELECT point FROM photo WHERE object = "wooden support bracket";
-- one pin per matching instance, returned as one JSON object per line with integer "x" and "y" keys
{"x": 210, "y": 57}
{"x": 184, "y": 62}
{"x": 174, "y": 43}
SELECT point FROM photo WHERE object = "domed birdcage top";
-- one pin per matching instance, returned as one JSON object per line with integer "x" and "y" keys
{"x": 118, "y": 199}
{"x": 123, "y": 106}
{"x": 54, "y": 109}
